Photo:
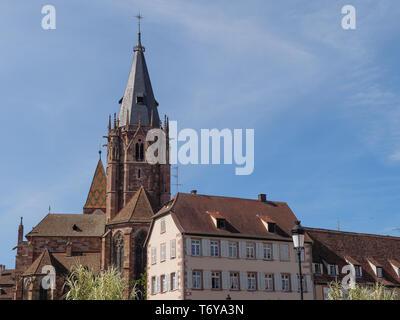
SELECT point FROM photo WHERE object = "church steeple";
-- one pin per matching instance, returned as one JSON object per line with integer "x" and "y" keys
{"x": 138, "y": 101}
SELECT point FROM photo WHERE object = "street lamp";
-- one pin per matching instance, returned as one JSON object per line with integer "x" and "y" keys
{"x": 298, "y": 243}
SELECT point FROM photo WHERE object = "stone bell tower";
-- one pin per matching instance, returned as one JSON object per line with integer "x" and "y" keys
{"x": 127, "y": 168}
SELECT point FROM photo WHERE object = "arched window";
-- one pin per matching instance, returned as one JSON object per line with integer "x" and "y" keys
{"x": 118, "y": 251}
{"x": 139, "y": 150}
{"x": 139, "y": 173}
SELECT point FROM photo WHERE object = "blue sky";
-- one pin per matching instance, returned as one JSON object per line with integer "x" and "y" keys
{"x": 324, "y": 102}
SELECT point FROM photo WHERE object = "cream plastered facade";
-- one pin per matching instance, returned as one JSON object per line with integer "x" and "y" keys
{"x": 185, "y": 264}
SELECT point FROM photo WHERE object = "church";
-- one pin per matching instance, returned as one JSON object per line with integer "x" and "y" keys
{"x": 120, "y": 205}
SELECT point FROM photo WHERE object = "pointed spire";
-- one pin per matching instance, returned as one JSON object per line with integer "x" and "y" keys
{"x": 138, "y": 97}
{"x": 99, "y": 155}
{"x": 109, "y": 122}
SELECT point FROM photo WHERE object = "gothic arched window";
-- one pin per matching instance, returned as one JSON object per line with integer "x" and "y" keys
{"x": 139, "y": 150}
{"x": 118, "y": 251}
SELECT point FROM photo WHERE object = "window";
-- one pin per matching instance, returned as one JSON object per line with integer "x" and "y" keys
{"x": 284, "y": 252}
{"x": 332, "y": 270}
{"x": 301, "y": 256}
{"x": 267, "y": 251}
{"x": 232, "y": 249}
{"x": 118, "y": 251}
{"x": 139, "y": 99}
{"x": 214, "y": 247}
{"x": 153, "y": 256}
{"x": 358, "y": 271}
{"x": 303, "y": 282}
{"x": 216, "y": 280}
{"x": 379, "y": 272}
{"x": 163, "y": 283}
{"x": 139, "y": 173}
{"x": 139, "y": 151}
{"x": 317, "y": 268}
{"x": 153, "y": 285}
{"x": 234, "y": 281}
{"x": 162, "y": 252}
{"x": 173, "y": 281}
{"x": 162, "y": 226}
{"x": 251, "y": 281}
{"x": 285, "y": 282}
{"x": 250, "y": 251}
{"x": 173, "y": 248}
{"x": 195, "y": 247}
{"x": 196, "y": 279}
{"x": 221, "y": 223}
{"x": 269, "y": 282}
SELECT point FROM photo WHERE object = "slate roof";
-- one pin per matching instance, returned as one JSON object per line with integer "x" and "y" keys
{"x": 62, "y": 263}
{"x": 62, "y": 225}
{"x": 97, "y": 194}
{"x": 138, "y": 84}
{"x": 138, "y": 209}
{"x": 338, "y": 247}
{"x": 191, "y": 212}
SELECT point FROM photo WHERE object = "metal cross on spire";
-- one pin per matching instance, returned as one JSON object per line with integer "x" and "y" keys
{"x": 139, "y": 46}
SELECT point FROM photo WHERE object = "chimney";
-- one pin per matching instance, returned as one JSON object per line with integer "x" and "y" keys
{"x": 68, "y": 250}
{"x": 262, "y": 197}
{"x": 193, "y": 192}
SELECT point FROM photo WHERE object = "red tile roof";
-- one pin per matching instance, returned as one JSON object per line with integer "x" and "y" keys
{"x": 138, "y": 209}
{"x": 62, "y": 225}
{"x": 97, "y": 194}
{"x": 190, "y": 211}
{"x": 334, "y": 247}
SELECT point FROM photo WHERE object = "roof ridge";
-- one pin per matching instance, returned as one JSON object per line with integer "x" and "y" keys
{"x": 352, "y": 233}
{"x": 239, "y": 198}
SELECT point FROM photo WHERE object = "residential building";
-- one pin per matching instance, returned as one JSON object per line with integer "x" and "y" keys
{"x": 375, "y": 258}
{"x": 219, "y": 246}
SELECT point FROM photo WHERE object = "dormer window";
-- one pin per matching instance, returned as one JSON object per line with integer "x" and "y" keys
{"x": 269, "y": 224}
{"x": 379, "y": 272}
{"x": 221, "y": 223}
{"x": 358, "y": 271}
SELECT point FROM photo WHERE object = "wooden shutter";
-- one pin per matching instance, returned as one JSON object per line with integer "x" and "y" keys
{"x": 177, "y": 280}
{"x": 260, "y": 281}
{"x": 158, "y": 284}
{"x": 207, "y": 279}
{"x": 243, "y": 280}
{"x": 295, "y": 282}
{"x": 259, "y": 250}
{"x": 168, "y": 282}
{"x": 275, "y": 251}
{"x": 309, "y": 284}
{"x": 151, "y": 286}
{"x": 242, "y": 249}
{"x": 224, "y": 248}
{"x": 205, "y": 246}
{"x": 278, "y": 282}
{"x": 225, "y": 280}
{"x": 189, "y": 279}
{"x": 188, "y": 246}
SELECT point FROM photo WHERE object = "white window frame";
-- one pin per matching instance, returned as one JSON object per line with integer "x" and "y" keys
{"x": 196, "y": 279}
{"x": 317, "y": 268}
{"x": 269, "y": 281}
{"x": 234, "y": 280}
{"x": 216, "y": 275}
{"x": 358, "y": 270}
{"x": 250, "y": 250}
{"x": 251, "y": 281}
{"x": 214, "y": 248}
{"x": 233, "y": 249}
{"x": 195, "y": 247}
{"x": 153, "y": 285}
{"x": 285, "y": 282}
{"x": 267, "y": 251}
